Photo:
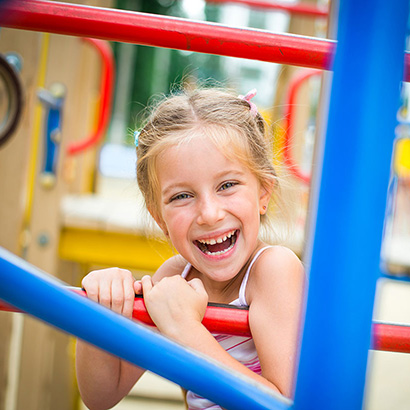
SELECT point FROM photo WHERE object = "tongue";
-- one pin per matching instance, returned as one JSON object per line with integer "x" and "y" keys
{"x": 218, "y": 247}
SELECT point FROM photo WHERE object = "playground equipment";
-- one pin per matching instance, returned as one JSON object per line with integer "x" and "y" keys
{"x": 395, "y": 256}
{"x": 288, "y": 126}
{"x": 12, "y": 99}
{"x": 53, "y": 102}
{"x": 107, "y": 88}
{"x": 293, "y": 8}
{"x": 232, "y": 320}
{"x": 348, "y": 208}
{"x": 170, "y": 32}
{"x": 121, "y": 337}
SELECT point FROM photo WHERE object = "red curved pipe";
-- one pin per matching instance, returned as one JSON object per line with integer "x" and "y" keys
{"x": 234, "y": 321}
{"x": 106, "y": 94}
{"x": 290, "y": 104}
{"x": 302, "y": 9}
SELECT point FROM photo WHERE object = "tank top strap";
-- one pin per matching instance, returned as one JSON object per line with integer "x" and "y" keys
{"x": 242, "y": 289}
{"x": 186, "y": 270}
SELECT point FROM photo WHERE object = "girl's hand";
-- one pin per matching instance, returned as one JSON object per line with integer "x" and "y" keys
{"x": 112, "y": 288}
{"x": 174, "y": 304}
{"x": 138, "y": 287}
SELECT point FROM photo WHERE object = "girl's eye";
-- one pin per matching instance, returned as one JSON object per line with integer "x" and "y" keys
{"x": 179, "y": 197}
{"x": 227, "y": 185}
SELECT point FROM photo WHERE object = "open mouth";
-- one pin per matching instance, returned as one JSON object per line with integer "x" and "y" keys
{"x": 218, "y": 246}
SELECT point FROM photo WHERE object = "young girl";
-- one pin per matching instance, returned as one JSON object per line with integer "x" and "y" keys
{"x": 204, "y": 168}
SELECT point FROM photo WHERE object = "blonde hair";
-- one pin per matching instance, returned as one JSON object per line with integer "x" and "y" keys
{"x": 222, "y": 117}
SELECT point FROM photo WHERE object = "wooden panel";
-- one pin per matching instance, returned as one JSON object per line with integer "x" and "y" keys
{"x": 5, "y": 334}
{"x": 14, "y": 158}
{"x": 45, "y": 363}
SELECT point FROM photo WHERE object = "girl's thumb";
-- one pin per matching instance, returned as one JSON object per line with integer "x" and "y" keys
{"x": 198, "y": 286}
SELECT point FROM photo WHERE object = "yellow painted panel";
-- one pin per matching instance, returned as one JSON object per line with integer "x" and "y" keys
{"x": 402, "y": 157}
{"x": 121, "y": 250}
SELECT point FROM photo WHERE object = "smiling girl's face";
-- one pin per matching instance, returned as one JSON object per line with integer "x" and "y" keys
{"x": 210, "y": 207}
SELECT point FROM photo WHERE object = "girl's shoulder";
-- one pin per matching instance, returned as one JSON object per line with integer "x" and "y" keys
{"x": 276, "y": 257}
{"x": 171, "y": 267}
{"x": 276, "y": 267}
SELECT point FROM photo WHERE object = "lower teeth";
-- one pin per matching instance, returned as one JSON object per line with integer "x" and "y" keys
{"x": 204, "y": 249}
{"x": 220, "y": 252}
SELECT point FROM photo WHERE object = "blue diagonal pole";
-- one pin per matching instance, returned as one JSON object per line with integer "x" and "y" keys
{"x": 344, "y": 253}
{"x": 34, "y": 292}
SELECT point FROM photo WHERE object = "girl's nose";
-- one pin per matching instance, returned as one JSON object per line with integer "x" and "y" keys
{"x": 209, "y": 211}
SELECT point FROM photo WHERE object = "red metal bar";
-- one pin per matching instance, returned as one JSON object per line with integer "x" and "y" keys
{"x": 392, "y": 338}
{"x": 302, "y": 9}
{"x": 289, "y": 120}
{"x": 106, "y": 94}
{"x": 168, "y": 32}
{"x": 230, "y": 320}
{"x": 218, "y": 319}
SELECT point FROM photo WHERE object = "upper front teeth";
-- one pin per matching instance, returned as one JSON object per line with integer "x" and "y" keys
{"x": 217, "y": 240}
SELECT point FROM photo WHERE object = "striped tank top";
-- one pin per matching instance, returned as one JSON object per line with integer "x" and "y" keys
{"x": 239, "y": 347}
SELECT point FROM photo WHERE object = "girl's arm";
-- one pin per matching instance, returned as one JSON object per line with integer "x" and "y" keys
{"x": 103, "y": 379}
{"x": 177, "y": 308}
{"x": 275, "y": 293}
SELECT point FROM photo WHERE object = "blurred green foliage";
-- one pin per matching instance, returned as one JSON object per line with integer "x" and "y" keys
{"x": 179, "y": 68}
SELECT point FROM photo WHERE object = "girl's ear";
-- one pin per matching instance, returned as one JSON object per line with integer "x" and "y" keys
{"x": 160, "y": 222}
{"x": 266, "y": 191}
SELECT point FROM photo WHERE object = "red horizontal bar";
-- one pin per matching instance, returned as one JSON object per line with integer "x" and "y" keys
{"x": 218, "y": 319}
{"x": 168, "y": 32}
{"x": 302, "y": 9}
{"x": 234, "y": 321}
{"x": 393, "y": 338}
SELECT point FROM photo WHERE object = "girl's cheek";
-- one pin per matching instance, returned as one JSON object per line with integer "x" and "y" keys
{"x": 178, "y": 218}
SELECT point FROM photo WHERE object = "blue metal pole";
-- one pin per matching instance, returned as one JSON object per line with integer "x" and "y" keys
{"x": 58, "y": 306}
{"x": 345, "y": 255}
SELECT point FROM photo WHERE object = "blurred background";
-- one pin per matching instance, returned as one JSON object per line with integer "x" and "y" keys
{"x": 69, "y": 199}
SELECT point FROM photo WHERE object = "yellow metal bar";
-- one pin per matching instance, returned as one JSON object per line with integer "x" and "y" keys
{"x": 35, "y": 142}
{"x": 106, "y": 248}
